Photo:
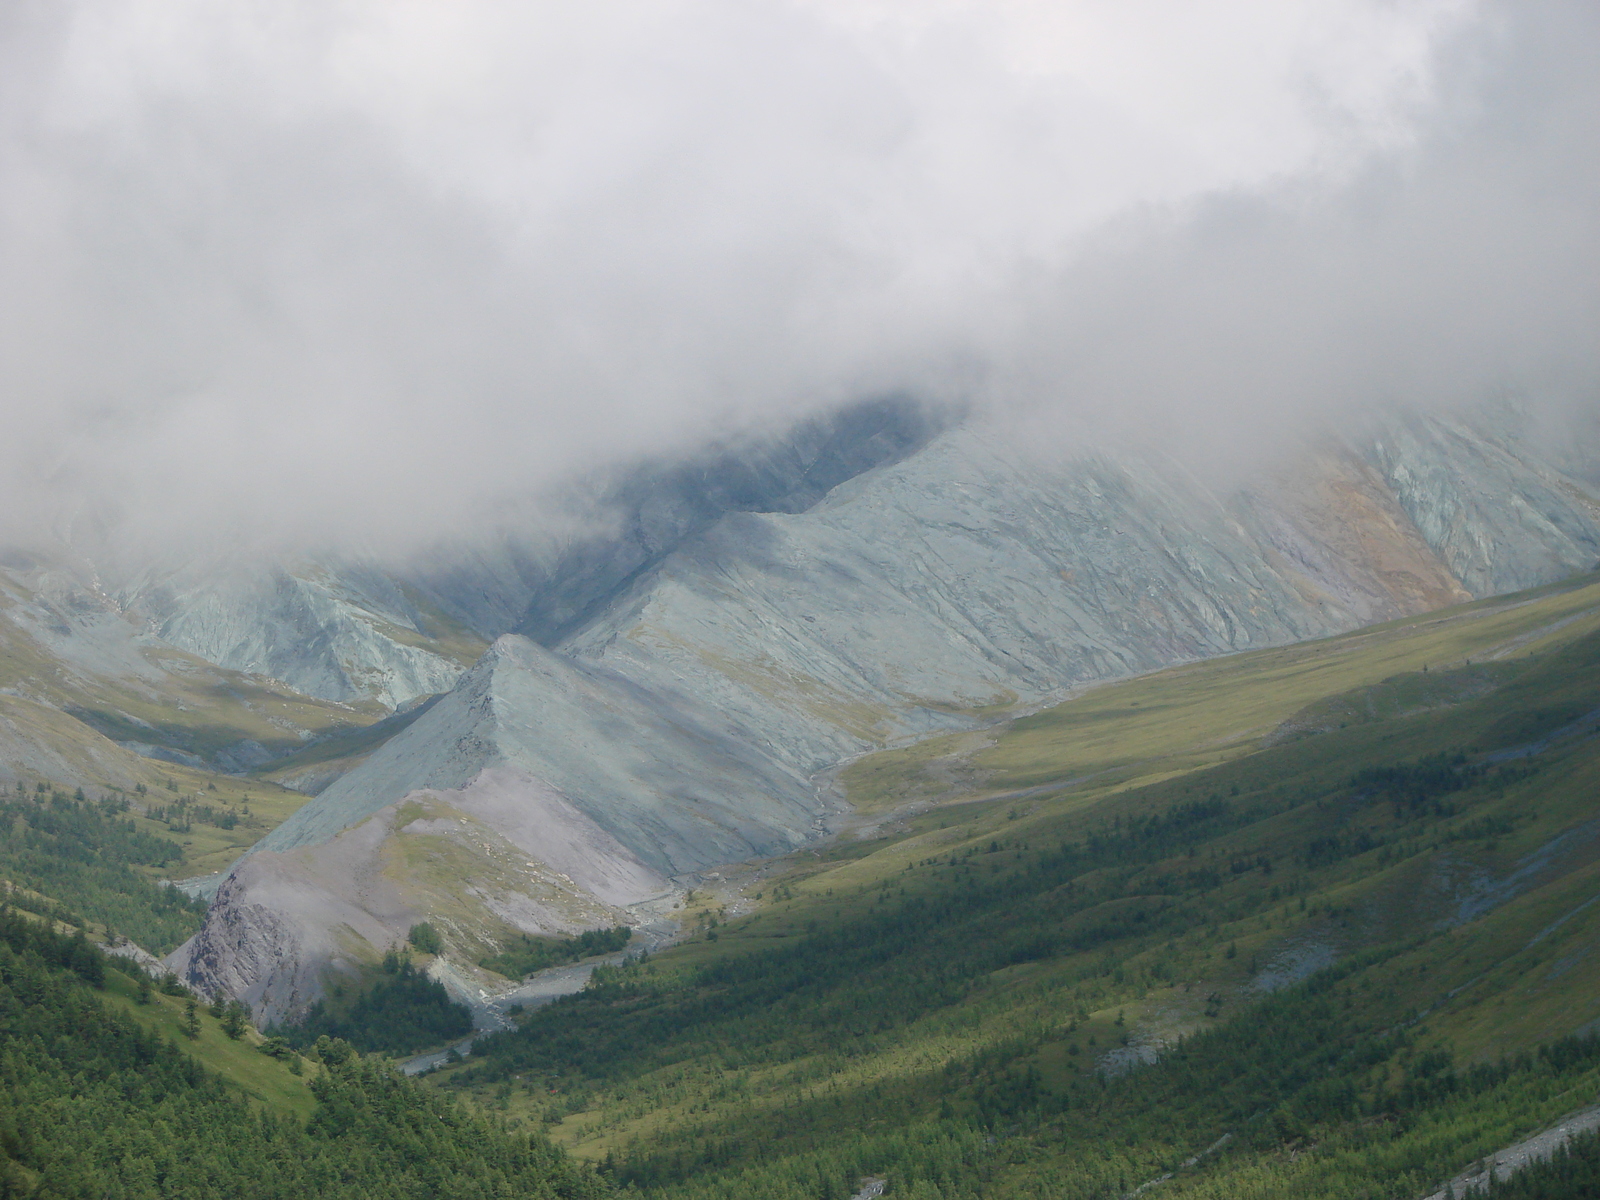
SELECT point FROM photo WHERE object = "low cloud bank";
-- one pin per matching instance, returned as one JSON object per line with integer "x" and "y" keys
{"x": 307, "y": 275}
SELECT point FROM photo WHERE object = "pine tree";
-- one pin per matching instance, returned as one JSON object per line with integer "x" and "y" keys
{"x": 425, "y": 938}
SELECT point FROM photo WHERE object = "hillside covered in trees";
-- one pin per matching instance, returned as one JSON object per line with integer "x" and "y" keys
{"x": 94, "y": 1104}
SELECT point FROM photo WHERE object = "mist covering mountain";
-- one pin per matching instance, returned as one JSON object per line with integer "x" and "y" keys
{"x": 345, "y": 631}
{"x": 1042, "y": 557}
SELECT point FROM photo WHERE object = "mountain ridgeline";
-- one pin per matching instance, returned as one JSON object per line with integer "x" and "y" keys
{"x": 996, "y": 826}
{"x": 692, "y": 715}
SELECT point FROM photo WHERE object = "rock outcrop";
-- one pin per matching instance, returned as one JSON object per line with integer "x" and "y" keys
{"x": 504, "y": 854}
{"x": 343, "y": 633}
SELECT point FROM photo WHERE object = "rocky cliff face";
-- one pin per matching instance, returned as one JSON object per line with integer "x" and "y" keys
{"x": 504, "y": 854}
{"x": 1493, "y": 512}
{"x": 683, "y": 719}
{"x": 669, "y": 776}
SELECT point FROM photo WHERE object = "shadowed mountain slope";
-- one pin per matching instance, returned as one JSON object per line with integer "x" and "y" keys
{"x": 350, "y": 631}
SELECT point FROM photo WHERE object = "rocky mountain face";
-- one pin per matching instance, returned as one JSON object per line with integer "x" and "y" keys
{"x": 107, "y": 668}
{"x": 679, "y": 720}
{"x": 1495, "y": 515}
{"x": 506, "y": 853}
{"x": 347, "y": 631}
{"x": 348, "y": 634}
{"x": 91, "y": 697}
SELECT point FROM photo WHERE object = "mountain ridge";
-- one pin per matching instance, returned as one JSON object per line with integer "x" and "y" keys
{"x": 930, "y": 594}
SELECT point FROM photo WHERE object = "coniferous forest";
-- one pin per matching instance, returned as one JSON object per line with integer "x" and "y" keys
{"x": 96, "y": 1106}
{"x": 402, "y": 1009}
{"x": 87, "y": 855}
{"x": 1247, "y": 979}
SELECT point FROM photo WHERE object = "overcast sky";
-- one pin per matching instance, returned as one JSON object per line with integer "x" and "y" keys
{"x": 356, "y": 271}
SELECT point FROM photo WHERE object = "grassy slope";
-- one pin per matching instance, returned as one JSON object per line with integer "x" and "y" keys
{"x": 712, "y": 1074}
{"x": 265, "y": 1079}
{"x": 167, "y": 810}
{"x": 1208, "y": 712}
{"x": 343, "y": 751}
{"x": 92, "y": 1105}
{"x": 80, "y": 751}
{"x": 65, "y": 721}
{"x": 259, "y": 806}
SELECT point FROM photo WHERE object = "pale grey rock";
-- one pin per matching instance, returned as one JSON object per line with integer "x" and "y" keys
{"x": 543, "y": 586}
{"x": 1500, "y": 518}
{"x": 345, "y": 635}
{"x": 242, "y": 757}
{"x": 166, "y": 754}
{"x": 135, "y": 954}
{"x": 1334, "y": 527}
{"x": 668, "y": 777}
{"x": 1480, "y": 1178}
{"x": 963, "y": 576}
{"x": 521, "y": 858}
{"x": 57, "y": 604}
{"x": 345, "y": 630}
{"x": 78, "y": 757}
{"x": 78, "y": 670}
{"x": 203, "y": 886}
{"x": 970, "y": 575}
{"x": 252, "y": 948}
{"x": 312, "y": 780}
